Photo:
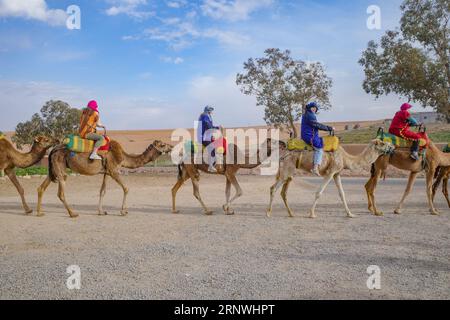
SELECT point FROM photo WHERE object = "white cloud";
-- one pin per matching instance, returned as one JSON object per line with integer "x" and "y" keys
{"x": 176, "y": 4}
{"x": 177, "y": 60}
{"x": 131, "y": 8}
{"x": 232, "y": 10}
{"x": 34, "y": 10}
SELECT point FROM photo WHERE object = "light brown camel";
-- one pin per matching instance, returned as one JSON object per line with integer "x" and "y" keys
{"x": 401, "y": 159}
{"x": 442, "y": 175}
{"x": 10, "y": 158}
{"x": 332, "y": 165}
{"x": 60, "y": 159}
{"x": 229, "y": 169}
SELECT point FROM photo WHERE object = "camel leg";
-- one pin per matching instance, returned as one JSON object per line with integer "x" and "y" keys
{"x": 438, "y": 181}
{"x": 195, "y": 185}
{"x": 12, "y": 176}
{"x": 445, "y": 190}
{"x": 41, "y": 191}
{"x": 116, "y": 178}
{"x": 175, "y": 189}
{"x": 62, "y": 197}
{"x": 411, "y": 180}
{"x": 101, "y": 212}
{"x": 273, "y": 190}
{"x": 371, "y": 186}
{"x": 226, "y": 206}
{"x": 284, "y": 196}
{"x": 239, "y": 192}
{"x": 338, "y": 182}
{"x": 430, "y": 175}
{"x": 319, "y": 193}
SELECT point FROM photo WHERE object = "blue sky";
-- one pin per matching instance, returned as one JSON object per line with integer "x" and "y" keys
{"x": 155, "y": 64}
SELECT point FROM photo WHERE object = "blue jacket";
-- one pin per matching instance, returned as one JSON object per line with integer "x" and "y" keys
{"x": 310, "y": 129}
{"x": 205, "y": 123}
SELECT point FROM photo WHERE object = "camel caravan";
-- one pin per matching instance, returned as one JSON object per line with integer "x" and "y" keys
{"x": 91, "y": 153}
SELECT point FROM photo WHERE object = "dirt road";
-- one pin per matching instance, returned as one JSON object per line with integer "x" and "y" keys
{"x": 153, "y": 254}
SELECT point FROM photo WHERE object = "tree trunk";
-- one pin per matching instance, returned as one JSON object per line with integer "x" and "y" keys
{"x": 294, "y": 129}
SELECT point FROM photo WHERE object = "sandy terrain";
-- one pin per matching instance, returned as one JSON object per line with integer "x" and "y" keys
{"x": 154, "y": 254}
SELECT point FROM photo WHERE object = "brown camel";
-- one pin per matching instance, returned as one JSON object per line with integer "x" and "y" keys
{"x": 401, "y": 159}
{"x": 332, "y": 165}
{"x": 10, "y": 158}
{"x": 229, "y": 169}
{"x": 60, "y": 159}
{"x": 442, "y": 175}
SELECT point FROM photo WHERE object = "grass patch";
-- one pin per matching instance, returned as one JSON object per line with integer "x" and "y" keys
{"x": 31, "y": 171}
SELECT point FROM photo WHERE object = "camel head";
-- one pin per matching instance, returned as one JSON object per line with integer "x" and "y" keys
{"x": 162, "y": 147}
{"x": 43, "y": 142}
{"x": 381, "y": 147}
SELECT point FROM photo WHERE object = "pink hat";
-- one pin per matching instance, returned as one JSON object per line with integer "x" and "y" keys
{"x": 405, "y": 106}
{"x": 93, "y": 105}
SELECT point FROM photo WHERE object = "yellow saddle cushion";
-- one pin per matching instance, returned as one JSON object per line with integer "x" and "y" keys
{"x": 79, "y": 145}
{"x": 330, "y": 144}
{"x": 400, "y": 142}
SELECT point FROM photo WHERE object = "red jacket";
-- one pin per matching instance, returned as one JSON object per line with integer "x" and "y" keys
{"x": 400, "y": 126}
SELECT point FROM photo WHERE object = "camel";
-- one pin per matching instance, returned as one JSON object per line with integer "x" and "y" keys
{"x": 60, "y": 159}
{"x": 190, "y": 170}
{"x": 442, "y": 175}
{"x": 400, "y": 159}
{"x": 10, "y": 158}
{"x": 332, "y": 165}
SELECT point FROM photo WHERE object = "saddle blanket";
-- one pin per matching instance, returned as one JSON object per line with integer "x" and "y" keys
{"x": 330, "y": 144}
{"x": 79, "y": 145}
{"x": 447, "y": 148}
{"x": 403, "y": 143}
{"x": 192, "y": 147}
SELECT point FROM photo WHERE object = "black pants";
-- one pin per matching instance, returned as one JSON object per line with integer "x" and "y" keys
{"x": 415, "y": 146}
{"x": 206, "y": 144}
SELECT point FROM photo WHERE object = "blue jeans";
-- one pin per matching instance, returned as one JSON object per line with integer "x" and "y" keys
{"x": 318, "y": 155}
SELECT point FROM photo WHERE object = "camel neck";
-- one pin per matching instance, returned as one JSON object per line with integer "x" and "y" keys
{"x": 356, "y": 161}
{"x": 443, "y": 159}
{"x": 137, "y": 161}
{"x": 25, "y": 160}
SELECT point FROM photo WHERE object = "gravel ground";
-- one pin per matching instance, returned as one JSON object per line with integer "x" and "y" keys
{"x": 153, "y": 254}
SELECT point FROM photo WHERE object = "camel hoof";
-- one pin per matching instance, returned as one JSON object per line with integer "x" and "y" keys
{"x": 175, "y": 211}
{"x": 74, "y": 215}
{"x": 124, "y": 212}
{"x": 28, "y": 212}
{"x": 269, "y": 214}
{"x": 208, "y": 213}
{"x": 312, "y": 216}
{"x": 435, "y": 213}
{"x": 379, "y": 213}
{"x": 397, "y": 211}
{"x": 229, "y": 213}
{"x": 104, "y": 213}
{"x": 291, "y": 215}
{"x": 40, "y": 214}
{"x": 351, "y": 215}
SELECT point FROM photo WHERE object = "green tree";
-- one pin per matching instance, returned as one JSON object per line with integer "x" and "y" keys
{"x": 414, "y": 61}
{"x": 284, "y": 86}
{"x": 56, "y": 119}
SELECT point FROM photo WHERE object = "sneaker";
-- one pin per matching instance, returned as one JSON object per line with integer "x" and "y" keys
{"x": 95, "y": 156}
{"x": 415, "y": 155}
{"x": 315, "y": 171}
{"x": 212, "y": 170}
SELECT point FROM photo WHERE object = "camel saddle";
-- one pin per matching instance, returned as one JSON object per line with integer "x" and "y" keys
{"x": 2, "y": 136}
{"x": 192, "y": 147}
{"x": 447, "y": 148}
{"x": 77, "y": 144}
{"x": 401, "y": 143}
{"x": 330, "y": 144}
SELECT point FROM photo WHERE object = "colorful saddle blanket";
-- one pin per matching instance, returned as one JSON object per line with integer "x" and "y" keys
{"x": 192, "y": 147}
{"x": 2, "y": 136}
{"x": 330, "y": 144}
{"x": 447, "y": 148}
{"x": 79, "y": 145}
{"x": 403, "y": 143}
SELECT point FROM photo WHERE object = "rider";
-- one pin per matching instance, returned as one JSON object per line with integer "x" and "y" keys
{"x": 90, "y": 121}
{"x": 310, "y": 133}
{"x": 400, "y": 127}
{"x": 204, "y": 135}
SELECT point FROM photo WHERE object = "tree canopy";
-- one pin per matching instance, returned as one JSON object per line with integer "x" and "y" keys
{"x": 56, "y": 119}
{"x": 413, "y": 61}
{"x": 284, "y": 85}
